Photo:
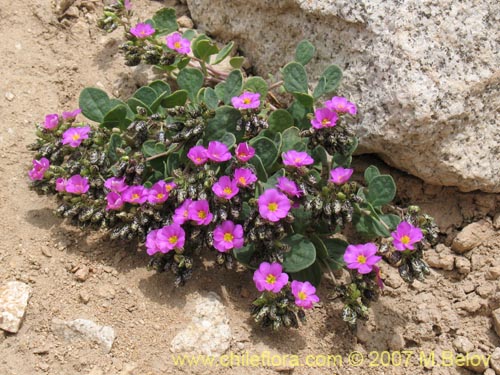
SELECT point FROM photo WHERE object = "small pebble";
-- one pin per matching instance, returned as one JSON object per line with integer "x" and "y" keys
{"x": 9, "y": 96}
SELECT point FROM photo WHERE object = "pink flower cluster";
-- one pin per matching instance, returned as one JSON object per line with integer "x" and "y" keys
{"x": 247, "y": 100}
{"x": 198, "y": 212}
{"x": 39, "y": 168}
{"x": 273, "y": 205}
{"x": 163, "y": 240}
{"x": 340, "y": 175}
{"x": 74, "y": 185}
{"x": 228, "y": 236}
{"x": 218, "y": 152}
{"x": 296, "y": 159}
{"x": 53, "y": 120}
{"x": 75, "y": 136}
{"x": 142, "y": 30}
{"x": 179, "y": 44}
{"x": 120, "y": 193}
{"x": 327, "y": 117}
{"x": 227, "y": 188}
{"x": 362, "y": 257}
{"x": 405, "y": 236}
{"x": 270, "y": 277}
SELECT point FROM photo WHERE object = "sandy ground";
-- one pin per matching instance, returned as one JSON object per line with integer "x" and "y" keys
{"x": 46, "y": 63}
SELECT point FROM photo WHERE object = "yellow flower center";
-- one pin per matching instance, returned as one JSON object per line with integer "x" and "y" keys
{"x": 169, "y": 188}
{"x": 242, "y": 155}
{"x": 177, "y": 44}
{"x": 76, "y": 137}
{"x": 297, "y": 160}
{"x": 302, "y": 296}
{"x": 242, "y": 180}
{"x": 198, "y": 159}
{"x": 272, "y": 206}
{"x": 361, "y": 259}
{"x": 160, "y": 195}
{"x": 135, "y": 196}
{"x": 173, "y": 239}
{"x": 325, "y": 121}
{"x": 228, "y": 237}
{"x": 227, "y": 190}
{"x": 186, "y": 213}
{"x": 405, "y": 240}
{"x": 246, "y": 101}
{"x": 270, "y": 279}
{"x": 202, "y": 214}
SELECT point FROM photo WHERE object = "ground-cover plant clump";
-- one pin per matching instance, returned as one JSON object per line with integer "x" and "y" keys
{"x": 212, "y": 160}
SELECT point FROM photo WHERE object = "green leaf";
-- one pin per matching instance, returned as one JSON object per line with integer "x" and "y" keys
{"x": 313, "y": 274}
{"x": 149, "y": 148}
{"x": 232, "y": 86}
{"x": 369, "y": 227}
{"x": 244, "y": 255}
{"x": 183, "y": 62}
{"x": 94, "y": 103}
{"x": 191, "y": 80}
{"x": 391, "y": 220}
{"x": 225, "y": 120}
{"x": 116, "y": 118}
{"x": 304, "y": 52}
{"x": 273, "y": 180}
{"x": 295, "y": 77}
{"x": 259, "y": 168}
{"x": 301, "y": 255}
{"x": 165, "y": 21}
{"x": 160, "y": 87}
{"x": 210, "y": 98}
{"x": 381, "y": 190}
{"x": 299, "y": 114}
{"x": 305, "y": 99}
{"x": 178, "y": 98}
{"x": 330, "y": 250}
{"x": 280, "y": 120}
{"x": 329, "y": 81}
{"x": 204, "y": 48}
{"x": 257, "y": 84}
{"x": 236, "y": 62}
{"x": 146, "y": 94}
{"x": 339, "y": 160}
{"x": 133, "y": 103}
{"x": 371, "y": 172}
{"x": 290, "y": 139}
{"x": 302, "y": 219}
{"x": 223, "y": 53}
{"x": 115, "y": 141}
{"x": 189, "y": 34}
{"x": 266, "y": 150}
{"x": 228, "y": 139}
{"x": 319, "y": 154}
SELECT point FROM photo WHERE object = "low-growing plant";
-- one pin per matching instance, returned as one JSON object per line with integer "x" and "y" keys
{"x": 211, "y": 160}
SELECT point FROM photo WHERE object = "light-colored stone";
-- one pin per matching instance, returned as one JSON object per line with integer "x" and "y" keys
{"x": 493, "y": 273}
{"x": 208, "y": 332}
{"x": 185, "y": 21}
{"x": 14, "y": 296}
{"x": 87, "y": 330}
{"x": 444, "y": 260}
{"x": 496, "y": 221}
{"x": 486, "y": 290}
{"x": 463, "y": 345}
{"x": 462, "y": 265}
{"x": 471, "y": 236}
{"x": 84, "y": 296}
{"x": 489, "y": 371}
{"x": 397, "y": 341}
{"x": 476, "y": 362}
{"x": 9, "y": 96}
{"x": 82, "y": 274}
{"x": 495, "y": 361}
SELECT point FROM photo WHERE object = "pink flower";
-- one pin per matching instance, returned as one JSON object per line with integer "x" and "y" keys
{"x": 51, "y": 121}
{"x": 304, "y": 293}
{"x": 405, "y": 236}
{"x": 361, "y": 257}
{"x": 218, "y": 152}
{"x": 170, "y": 186}
{"x": 115, "y": 201}
{"x": 77, "y": 185}
{"x": 246, "y": 100}
{"x": 136, "y": 194}
{"x": 39, "y": 168}
{"x": 75, "y": 136}
{"x": 340, "y": 175}
{"x": 170, "y": 237}
{"x": 61, "y": 184}
{"x": 181, "y": 214}
{"x": 158, "y": 193}
{"x": 341, "y": 105}
{"x": 71, "y": 115}
{"x": 244, "y": 152}
{"x": 199, "y": 212}
{"x": 198, "y": 155}
{"x": 296, "y": 158}
{"x": 225, "y": 188}
{"x": 116, "y": 184}
{"x": 270, "y": 277}
{"x": 288, "y": 187}
{"x": 179, "y": 44}
{"x": 324, "y": 118}
{"x": 244, "y": 177}
{"x": 228, "y": 236}
{"x": 273, "y": 205}
{"x": 152, "y": 246}
{"x": 142, "y": 30}
{"x": 127, "y": 4}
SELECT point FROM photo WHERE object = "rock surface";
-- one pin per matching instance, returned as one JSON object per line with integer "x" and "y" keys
{"x": 208, "y": 333}
{"x": 14, "y": 296}
{"x": 87, "y": 330}
{"x": 471, "y": 236}
{"x": 424, "y": 74}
